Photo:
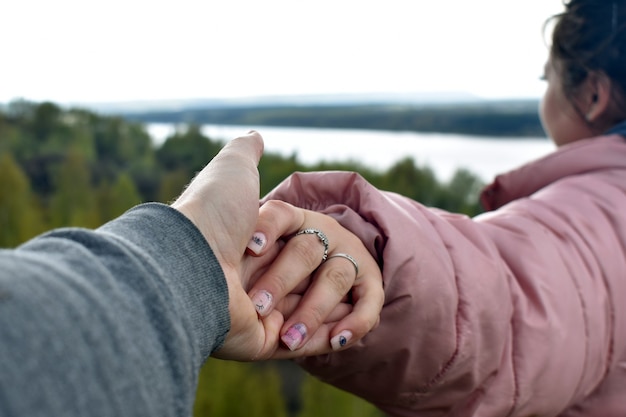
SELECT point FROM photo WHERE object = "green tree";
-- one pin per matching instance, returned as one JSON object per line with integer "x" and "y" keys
{"x": 320, "y": 399}
{"x": 45, "y": 119}
{"x": 115, "y": 199}
{"x": 405, "y": 178}
{"x": 120, "y": 146}
{"x": 20, "y": 218}
{"x": 172, "y": 183}
{"x": 74, "y": 200}
{"x": 461, "y": 193}
{"x": 274, "y": 168}
{"x": 187, "y": 150}
{"x": 18, "y": 133}
{"x": 237, "y": 389}
{"x": 9, "y": 135}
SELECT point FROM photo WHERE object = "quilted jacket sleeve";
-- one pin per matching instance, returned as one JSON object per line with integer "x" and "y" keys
{"x": 481, "y": 316}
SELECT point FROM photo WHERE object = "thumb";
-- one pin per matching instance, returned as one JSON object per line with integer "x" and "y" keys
{"x": 249, "y": 146}
{"x": 223, "y": 199}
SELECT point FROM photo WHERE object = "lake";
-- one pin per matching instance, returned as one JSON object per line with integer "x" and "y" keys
{"x": 444, "y": 153}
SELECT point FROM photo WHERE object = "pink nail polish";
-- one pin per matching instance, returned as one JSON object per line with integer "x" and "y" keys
{"x": 262, "y": 302}
{"x": 257, "y": 242}
{"x": 294, "y": 336}
{"x": 341, "y": 339}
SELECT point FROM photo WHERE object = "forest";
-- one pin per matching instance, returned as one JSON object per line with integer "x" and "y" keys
{"x": 72, "y": 167}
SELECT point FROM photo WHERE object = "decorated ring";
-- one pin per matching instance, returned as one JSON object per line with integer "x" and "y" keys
{"x": 321, "y": 236}
{"x": 348, "y": 257}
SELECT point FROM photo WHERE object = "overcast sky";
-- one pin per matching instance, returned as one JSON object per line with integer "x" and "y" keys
{"x": 71, "y": 51}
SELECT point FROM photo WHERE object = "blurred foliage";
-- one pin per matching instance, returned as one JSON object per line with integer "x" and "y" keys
{"x": 20, "y": 214}
{"x": 320, "y": 399}
{"x": 267, "y": 387}
{"x": 74, "y": 167}
{"x": 71, "y": 167}
{"x": 222, "y": 386}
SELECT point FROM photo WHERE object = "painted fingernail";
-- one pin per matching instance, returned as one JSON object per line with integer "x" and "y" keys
{"x": 341, "y": 339}
{"x": 294, "y": 336}
{"x": 262, "y": 302}
{"x": 257, "y": 242}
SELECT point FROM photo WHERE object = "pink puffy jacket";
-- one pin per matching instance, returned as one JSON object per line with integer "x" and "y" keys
{"x": 520, "y": 311}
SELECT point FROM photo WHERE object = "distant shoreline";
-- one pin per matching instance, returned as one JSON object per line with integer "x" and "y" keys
{"x": 498, "y": 119}
{"x": 493, "y": 119}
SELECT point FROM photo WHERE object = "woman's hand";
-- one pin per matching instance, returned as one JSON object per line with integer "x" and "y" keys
{"x": 342, "y": 300}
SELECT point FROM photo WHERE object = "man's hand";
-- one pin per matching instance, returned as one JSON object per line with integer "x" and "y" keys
{"x": 223, "y": 202}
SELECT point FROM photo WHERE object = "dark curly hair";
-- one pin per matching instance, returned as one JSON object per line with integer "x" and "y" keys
{"x": 590, "y": 36}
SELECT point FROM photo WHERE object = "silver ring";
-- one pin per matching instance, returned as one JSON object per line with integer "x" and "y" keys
{"x": 321, "y": 236}
{"x": 348, "y": 257}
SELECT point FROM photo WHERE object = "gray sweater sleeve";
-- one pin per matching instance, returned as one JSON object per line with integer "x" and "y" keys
{"x": 111, "y": 322}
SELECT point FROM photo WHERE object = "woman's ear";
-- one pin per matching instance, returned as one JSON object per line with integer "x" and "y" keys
{"x": 596, "y": 96}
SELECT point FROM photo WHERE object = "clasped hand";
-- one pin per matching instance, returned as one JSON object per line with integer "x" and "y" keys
{"x": 303, "y": 285}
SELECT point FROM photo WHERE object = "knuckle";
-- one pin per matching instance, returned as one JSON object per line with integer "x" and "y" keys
{"x": 274, "y": 210}
{"x": 340, "y": 279}
{"x": 277, "y": 205}
{"x": 362, "y": 327}
{"x": 276, "y": 283}
{"x": 307, "y": 250}
{"x": 371, "y": 324}
{"x": 316, "y": 316}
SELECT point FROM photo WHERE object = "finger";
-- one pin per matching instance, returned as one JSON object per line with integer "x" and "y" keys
{"x": 242, "y": 153}
{"x": 271, "y": 325}
{"x": 300, "y": 256}
{"x": 249, "y": 146}
{"x": 252, "y": 268}
{"x": 276, "y": 219}
{"x": 234, "y": 168}
{"x": 356, "y": 322}
{"x": 289, "y": 304}
{"x": 249, "y": 338}
{"x": 233, "y": 171}
{"x": 316, "y": 345}
{"x": 368, "y": 298}
{"x": 332, "y": 281}
{"x": 294, "y": 264}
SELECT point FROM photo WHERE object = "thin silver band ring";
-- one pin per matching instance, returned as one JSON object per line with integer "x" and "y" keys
{"x": 348, "y": 257}
{"x": 320, "y": 235}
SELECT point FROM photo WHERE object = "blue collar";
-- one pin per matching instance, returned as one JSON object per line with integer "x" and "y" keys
{"x": 619, "y": 129}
